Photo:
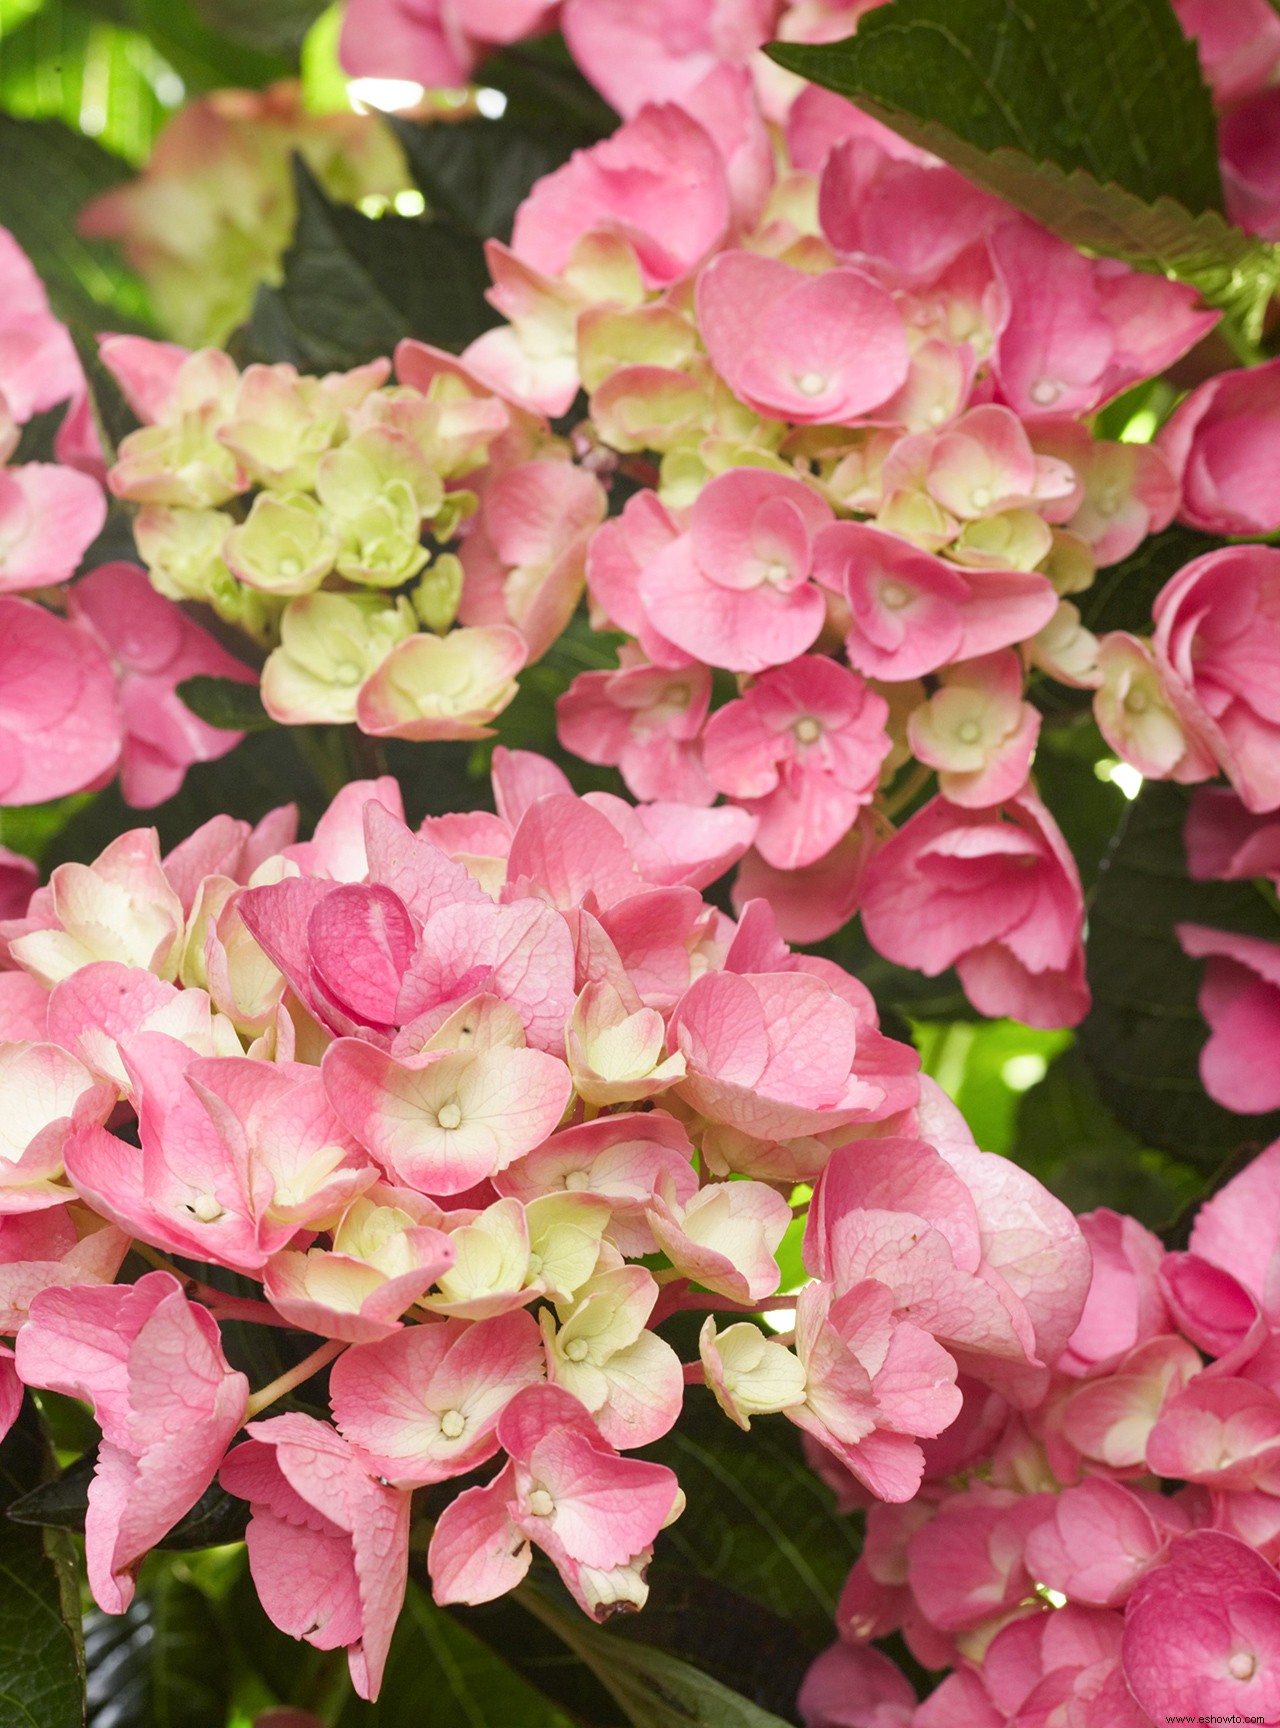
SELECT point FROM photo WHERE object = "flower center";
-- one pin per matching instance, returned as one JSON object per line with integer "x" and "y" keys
{"x": 347, "y": 672}
{"x": 1045, "y": 391}
{"x": 577, "y": 1179}
{"x": 811, "y": 384}
{"x": 968, "y": 731}
{"x": 895, "y": 595}
{"x": 1243, "y": 1665}
{"x": 452, "y": 1424}
{"x": 808, "y": 730}
{"x": 981, "y": 497}
{"x": 206, "y": 1208}
{"x": 541, "y": 1504}
{"x": 776, "y": 571}
{"x": 576, "y": 1350}
{"x": 448, "y": 1115}
{"x": 1137, "y": 702}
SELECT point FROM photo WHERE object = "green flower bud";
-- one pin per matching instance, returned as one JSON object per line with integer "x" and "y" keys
{"x": 287, "y": 546}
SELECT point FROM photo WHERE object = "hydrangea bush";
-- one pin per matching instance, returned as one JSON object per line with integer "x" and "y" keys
{"x": 677, "y": 1119}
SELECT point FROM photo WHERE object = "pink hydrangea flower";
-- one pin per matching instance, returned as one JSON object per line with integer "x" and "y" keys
{"x": 38, "y": 364}
{"x": 1238, "y": 42}
{"x": 1202, "y": 1632}
{"x": 801, "y": 749}
{"x": 661, "y": 52}
{"x": 821, "y": 349}
{"x": 151, "y": 1364}
{"x": 49, "y": 516}
{"x": 645, "y": 720}
{"x": 433, "y": 42}
{"x": 1240, "y": 998}
{"x": 328, "y": 1544}
{"x": 564, "y": 1488}
{"x": 154, "y": 647}
{"x": 1215, "y": 639}
{"x": 623, "y": 187}
{"x": 850, "y": 1686}
{"x": 977, "y": 731}
{"x": 994, "y": 893}
{"x": 1223, "y": 442}
{"x": 60, "y": 725}
{"x": 734, "y": 590}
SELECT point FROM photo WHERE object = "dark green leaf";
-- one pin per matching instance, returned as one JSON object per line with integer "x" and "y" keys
{"x": 158, "y": 1665}
{"x": 40, "y": 1673}
{"x": 50, "y": 173}
{"x": 226, "y": 703}
{"x": 434, "y": 1657}
{"x": 1068, "y": 1138}
{"x": 655, "y": 1690}
{"x": 759, "y": 1521}
{"x": 1066, "y": 112}
{"x": 1122, "y": 595}
{"x": 476, "y": 172}
{"x": 277, "y": 28}
{"x": 354, "y": 285}
{"x": 60, "y": 1504}
{"x": 1088, "y": 809}
{"x": 1144, "y": 1034}
{"x": 542, "y": 84}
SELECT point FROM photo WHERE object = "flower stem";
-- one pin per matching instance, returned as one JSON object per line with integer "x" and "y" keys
{"x": 294, "y": 1377}
{"x": 220, "y": 1303}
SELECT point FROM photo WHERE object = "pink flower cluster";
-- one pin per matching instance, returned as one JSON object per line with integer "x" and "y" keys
{"x": 88, "y": 690}
{"x": 1104, "y": 1555}
{"x": 449, "y": 1097}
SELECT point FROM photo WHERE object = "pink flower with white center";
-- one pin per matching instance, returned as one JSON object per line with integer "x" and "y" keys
{"x": 91, "y": 1012}
{"x": 993, "y": 892}
{"x": 771, "y": 1053}
{"x": 617, "y": 1048}
{"x": 49, "y": 1096}
{"x": 151, "y": 1364}
{"x": 874, "y": 1382}
{"x": 424, "y": 1405}
{"x": 599, "y": 1348}
{"x": 1072, "y": 332}
{"x": 644, "y": 720}
{"x": 725, "y": 1237}
{"x": 593, "y": 1513}
{"x": 734, "y": 591}
{"x": 386, "y": 1252}
{"x": 1217, "y": 635}
{"x": 624, "y": 186}
{"x": 56, "y": 1248}
{"x": 328, "y": 1544}
{"x": 661, "y": 52}
{"x": 49, "y": 516}
{"x": 525, "y": 557}
{"x": 1223, "y": 442}
{"x": 154, "y": 647}
{"x": 1240, "y": 998}
{"x": 822, "y": 350}
{"x": 60, "y": 728}
{"x": 434, "y": 687}
{"x": 912, "y": 613}
{"x": 621, "y": 1159}
{"x": 977, "y": 731}
{"x": 1140, "y": 719}
{"x": 444, "y": 1122}
{"x": 1128, "y": 490}
{"x": 1202, "y": 1632}
{"x": 985, "y": 464}
{"x": 802, "y": 750}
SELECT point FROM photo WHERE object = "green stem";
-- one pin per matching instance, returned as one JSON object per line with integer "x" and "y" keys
{"x": 293, "y": 1377}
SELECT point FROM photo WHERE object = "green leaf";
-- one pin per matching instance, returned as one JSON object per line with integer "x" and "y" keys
{"x": 50, "y": 173}
{"x": 227, "y": 703}
{"x": 40, "y": 1670}
{"x": 355, "y": 285}
{"x": 1067, "y": 111}
{"x": 654, "y": 1690}
{"x": 1122, "y": 595}
{"x": 277, "y": 28}
{"x": 542, "y": 84}
{"x": 158, "y": 1665}
{"x": 476, "y": 172}
{"x": 433, "y": 1657}
{"x": 1144, "y": 1033}
{"x": 61, "y": 1504}
{"x": 1072, "y": 1143}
